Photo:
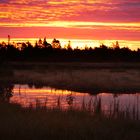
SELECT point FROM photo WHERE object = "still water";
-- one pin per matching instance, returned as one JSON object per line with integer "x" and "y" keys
{"x": 50, "y": 97}
{"x": 36, "y": 96}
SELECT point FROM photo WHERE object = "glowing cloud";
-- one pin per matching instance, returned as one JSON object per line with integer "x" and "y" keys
{"x": 108, "y": 16}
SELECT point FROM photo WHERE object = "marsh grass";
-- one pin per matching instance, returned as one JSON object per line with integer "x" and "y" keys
{"x": 80, "y": 80}
{"x": 71, "y": 124}
{"x": 94, "y": 107}
{"x": 83, "y": 77}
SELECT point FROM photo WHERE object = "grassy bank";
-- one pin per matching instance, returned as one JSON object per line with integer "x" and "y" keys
{"x": 85, "y": 77}
{"x": 54, "y": 124}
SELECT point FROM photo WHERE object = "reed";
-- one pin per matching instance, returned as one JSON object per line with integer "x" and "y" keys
{"x": 94, "y": 108}
{"x": 56, "y": 124}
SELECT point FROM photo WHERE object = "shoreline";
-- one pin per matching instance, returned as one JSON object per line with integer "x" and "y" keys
{"x": 91, "y": 78}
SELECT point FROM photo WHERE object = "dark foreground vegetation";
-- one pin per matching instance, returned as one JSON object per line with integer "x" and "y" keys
{"x": 43, "y": 51}
{"x": 55, "y": 124}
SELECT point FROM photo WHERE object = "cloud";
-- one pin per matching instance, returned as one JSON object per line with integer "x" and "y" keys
{"x": 70, "y": 10}
{"x": 93, "y": 15}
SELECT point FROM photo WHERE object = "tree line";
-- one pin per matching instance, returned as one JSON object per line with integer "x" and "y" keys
{"x": 44, "y": 51}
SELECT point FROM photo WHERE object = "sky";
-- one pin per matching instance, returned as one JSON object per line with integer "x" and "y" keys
{"x": 75, "y": 19}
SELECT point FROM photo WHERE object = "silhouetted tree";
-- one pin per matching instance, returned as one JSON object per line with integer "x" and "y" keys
{"x": 43, "y": 51}
{"x": 56, "y": 44}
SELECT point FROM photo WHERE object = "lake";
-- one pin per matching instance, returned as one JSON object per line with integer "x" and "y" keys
{"x": 30, "y": 95}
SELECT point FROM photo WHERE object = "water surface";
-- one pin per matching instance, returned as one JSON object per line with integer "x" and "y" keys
{"x": 50, "y": 97}
{"x": 38, "y": 96}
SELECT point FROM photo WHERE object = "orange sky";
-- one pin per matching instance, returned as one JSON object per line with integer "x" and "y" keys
{"x": 77, "y": 19}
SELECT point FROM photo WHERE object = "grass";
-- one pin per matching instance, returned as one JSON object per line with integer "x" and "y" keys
{"x": 55, "y": 124}
{"x": 86, "y": 77}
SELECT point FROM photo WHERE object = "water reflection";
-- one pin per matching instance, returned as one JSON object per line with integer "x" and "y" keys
{"x": 28, "y": 95}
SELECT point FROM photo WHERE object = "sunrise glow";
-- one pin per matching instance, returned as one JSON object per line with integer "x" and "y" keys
{"x": 72, "y": 19}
